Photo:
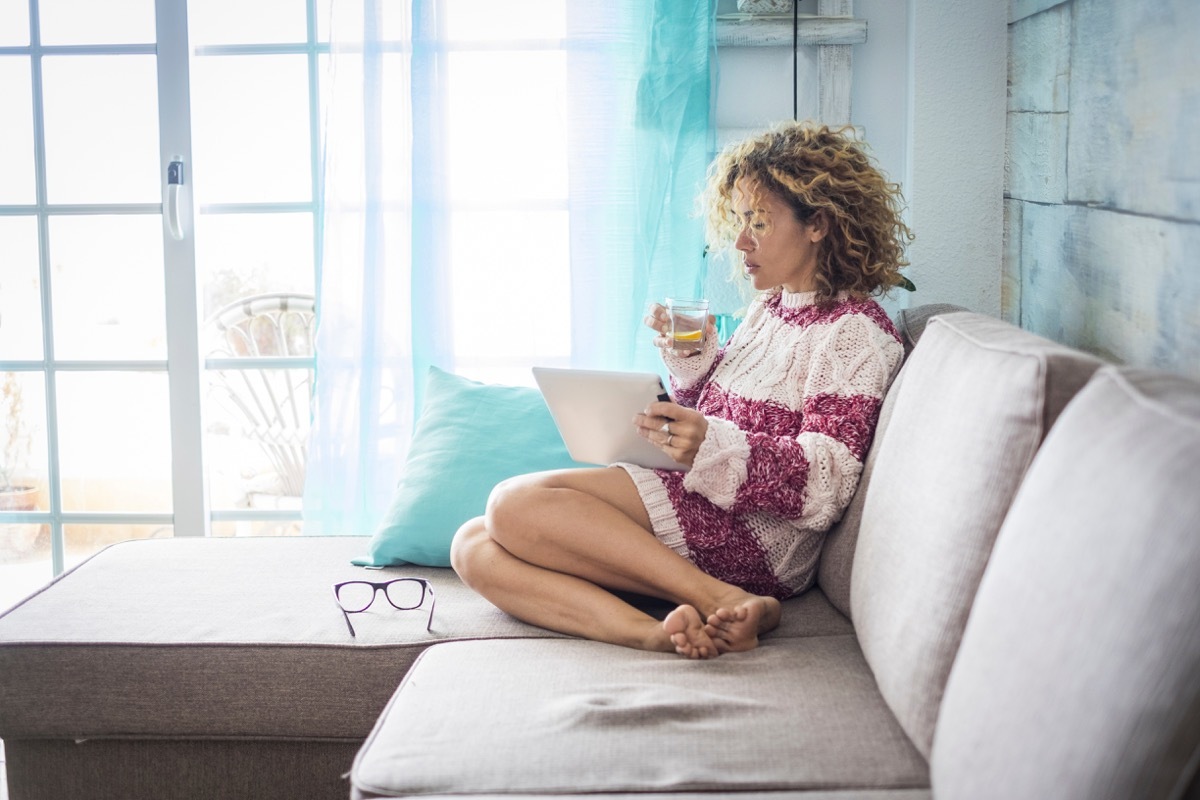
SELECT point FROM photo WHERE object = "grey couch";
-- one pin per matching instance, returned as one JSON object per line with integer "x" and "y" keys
{"x": 1010, "y": 608}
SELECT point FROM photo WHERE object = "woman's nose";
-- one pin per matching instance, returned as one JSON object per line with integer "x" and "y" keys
{"x": 744, "y": 242}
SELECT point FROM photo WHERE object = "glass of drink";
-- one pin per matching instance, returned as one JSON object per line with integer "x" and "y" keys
{"x": 689, "y": 318}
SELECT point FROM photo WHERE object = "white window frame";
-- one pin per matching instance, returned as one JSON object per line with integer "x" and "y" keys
{"x": 191, "y": 515}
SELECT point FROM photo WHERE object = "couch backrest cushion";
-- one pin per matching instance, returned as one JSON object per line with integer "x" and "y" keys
{"x": 837, "y": 554}
{"x": 911, "y": 322}
{"x": 976, "y": 400}
{"x": 1079, "y": 671}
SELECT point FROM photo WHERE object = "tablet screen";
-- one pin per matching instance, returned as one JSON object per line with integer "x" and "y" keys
{"x": 594, "y": 412}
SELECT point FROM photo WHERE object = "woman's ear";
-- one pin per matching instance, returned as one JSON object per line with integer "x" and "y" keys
{"x": 818, "y": 226}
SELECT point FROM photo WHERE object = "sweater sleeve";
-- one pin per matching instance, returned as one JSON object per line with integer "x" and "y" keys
{"x": 809, "y": 473}
{"x": 689, "y": 374}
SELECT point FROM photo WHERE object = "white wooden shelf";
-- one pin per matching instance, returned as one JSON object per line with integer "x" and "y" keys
{"x": 772, "y": 30}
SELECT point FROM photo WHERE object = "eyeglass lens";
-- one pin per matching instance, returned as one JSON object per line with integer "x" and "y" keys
{"x": 403, "y": 594}
{"x": 356, "y": 596}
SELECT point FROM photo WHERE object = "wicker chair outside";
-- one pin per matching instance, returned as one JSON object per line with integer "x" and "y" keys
{"x": 267, "y": 404}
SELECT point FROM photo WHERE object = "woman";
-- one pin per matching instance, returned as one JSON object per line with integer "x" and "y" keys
{"x": 772, "y": 428}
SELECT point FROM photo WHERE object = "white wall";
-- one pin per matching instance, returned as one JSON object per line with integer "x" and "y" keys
{"x": 958, "y": 55}
{"x": 929, "y": 93}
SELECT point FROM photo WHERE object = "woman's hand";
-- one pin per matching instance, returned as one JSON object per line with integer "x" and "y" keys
{"x": 677, "y": 430}
{"x": 658, "y": 320}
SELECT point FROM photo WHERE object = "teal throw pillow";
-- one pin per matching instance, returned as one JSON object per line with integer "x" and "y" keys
{"x": 470, "y": 436}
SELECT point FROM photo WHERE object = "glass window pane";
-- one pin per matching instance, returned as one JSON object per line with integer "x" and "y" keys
{"x": 107, "y": 287}
{"x": 14, "y": 25}
{"x": 239, "y": 255}
{"x": 325, "y": 19}
{"x": 523, "y": 98}
{"x": 25, "y": 564}
{"x": 257, "y": 422}
{"x": 16, "y": 134}
{"x": 345, "y": 21}
{"x": 256, "y": 528}
{"x": 344, "y": 91}
{"x": 239, "y": 22}
{"x": 476, "y": 20}
{"x": 115, "y": 441}
{"x": 101, "y": 129}
{"x": 20, "y": 290}
{"x": 83, "y": 541}
{"x": 508, "y": 306}
{"x": 91, "y": 22}
{"x": 24, "y": 546}
{"x": 251, "y": 129}
{"x": 23, "y": 462}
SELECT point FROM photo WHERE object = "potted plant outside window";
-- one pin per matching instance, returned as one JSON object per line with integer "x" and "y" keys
{"x": 16, "y": 447}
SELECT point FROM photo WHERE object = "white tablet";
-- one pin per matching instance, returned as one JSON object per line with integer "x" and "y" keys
{"x": 594, "y": 412}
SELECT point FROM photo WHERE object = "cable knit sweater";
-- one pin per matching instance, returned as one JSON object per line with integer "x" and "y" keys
{"x": 792, "y": 402}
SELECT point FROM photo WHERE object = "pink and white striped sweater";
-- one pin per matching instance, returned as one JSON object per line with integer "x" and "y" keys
{"x": 791, "y": 401}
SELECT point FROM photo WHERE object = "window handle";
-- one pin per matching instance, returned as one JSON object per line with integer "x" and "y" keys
{"x": 174, "y": 187}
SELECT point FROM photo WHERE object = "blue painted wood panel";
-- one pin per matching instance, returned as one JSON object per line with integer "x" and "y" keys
{"x": 1135, "y": 106}
{"x": 1121, "y": 285}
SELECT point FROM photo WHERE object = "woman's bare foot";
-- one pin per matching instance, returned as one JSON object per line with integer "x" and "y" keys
{"x": 689, "y": 635}
{"x": 737, "y": 627}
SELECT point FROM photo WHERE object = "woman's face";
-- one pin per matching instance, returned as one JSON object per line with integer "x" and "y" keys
{"x": 777, "y": 249}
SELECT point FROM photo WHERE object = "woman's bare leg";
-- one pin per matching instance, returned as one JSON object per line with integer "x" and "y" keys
{"x": 559, "y": 601}
{"x": 549, "y": 542}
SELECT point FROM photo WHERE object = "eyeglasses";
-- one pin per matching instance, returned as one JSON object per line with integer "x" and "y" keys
{"x": 405, "y": 594}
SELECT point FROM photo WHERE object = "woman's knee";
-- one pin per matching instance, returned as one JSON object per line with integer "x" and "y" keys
{"x": 512, "y": 503}
{"x": 466, "y": 545}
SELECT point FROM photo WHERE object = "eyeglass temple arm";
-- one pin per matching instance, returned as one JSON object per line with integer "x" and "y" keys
{"x": 348, "y": 625}
{"x": 346, "y": 614}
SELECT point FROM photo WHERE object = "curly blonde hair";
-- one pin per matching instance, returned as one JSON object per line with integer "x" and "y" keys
{"x": 821, "y": 174}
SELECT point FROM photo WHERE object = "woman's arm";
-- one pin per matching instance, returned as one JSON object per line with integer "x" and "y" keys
{"x": 804, "y": 463}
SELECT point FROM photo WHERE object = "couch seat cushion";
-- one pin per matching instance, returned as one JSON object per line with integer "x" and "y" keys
{"x": 218, "y": 638}
{"x": 809, "y": 613}
{"x": 573, "y": 717}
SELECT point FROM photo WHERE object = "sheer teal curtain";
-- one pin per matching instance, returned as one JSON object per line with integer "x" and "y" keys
{"x": 458, "y": 236}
